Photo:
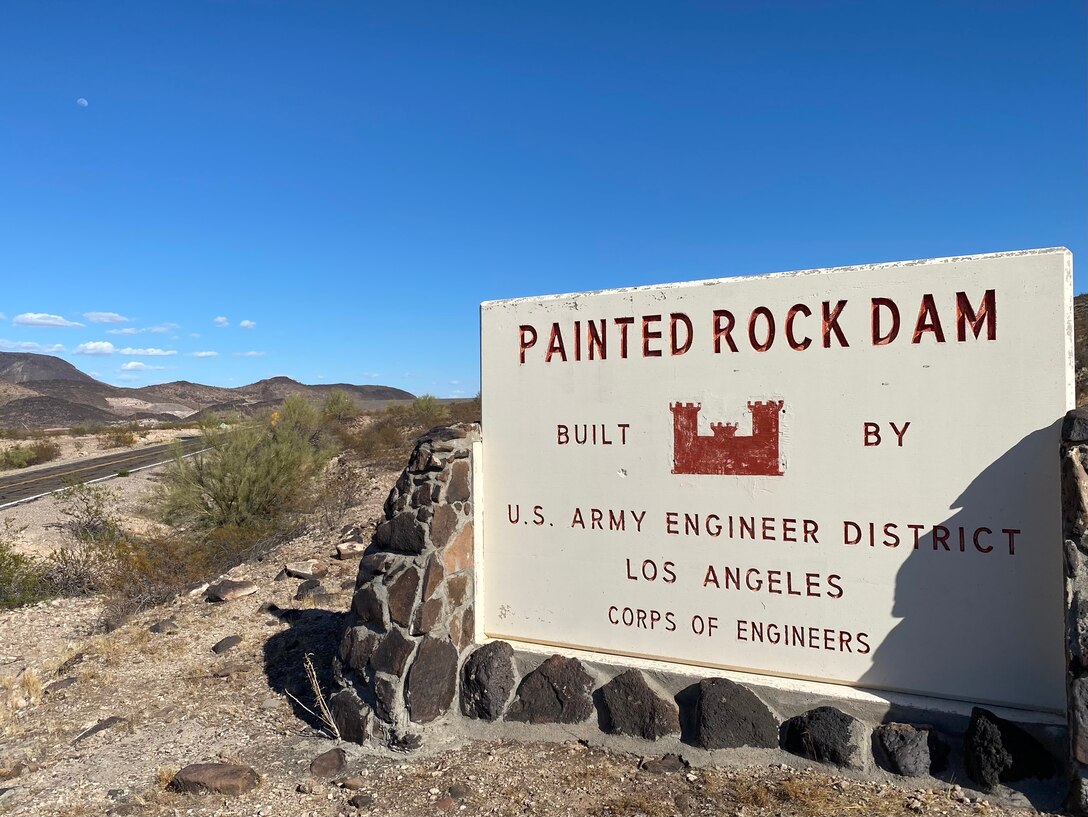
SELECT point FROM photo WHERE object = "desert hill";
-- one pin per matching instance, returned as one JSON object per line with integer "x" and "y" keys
{"x": 45, "y": 391}
{"x": 21, "y": 367}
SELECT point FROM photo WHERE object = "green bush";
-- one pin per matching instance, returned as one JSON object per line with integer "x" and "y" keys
{"x": 118, "y": 437}
{"x": 256, "y": 476}
{"x": 338, "y": 407}
{"x": 22, "y": 456}
{"x": 21, "y": 577}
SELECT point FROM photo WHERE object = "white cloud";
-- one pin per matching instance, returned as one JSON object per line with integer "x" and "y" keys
{"x": 83, "y": 103}
{"x": 105, "y": 317}
{"x": 95, "y": 347}
{"x": 29, "y": 346}
{"x": 248, "y": 324}
{"x": 205, "y": 354}
{"x": 163, "y": 328}
{"x": 137, "y": 366}
{"x": 249, "y": 354}
{"x": 42, "y": 319}
{"x": 152, "y": 352}
{"x": 221, "y": 321}
{"x": 128, "y": 330}
{"x": 3, "y": 317}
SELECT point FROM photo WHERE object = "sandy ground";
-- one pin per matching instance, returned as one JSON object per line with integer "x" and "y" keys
{"x": 166, "y": 700}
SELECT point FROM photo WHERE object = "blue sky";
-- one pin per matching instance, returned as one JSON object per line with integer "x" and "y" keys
{"x": 328, "y": 190}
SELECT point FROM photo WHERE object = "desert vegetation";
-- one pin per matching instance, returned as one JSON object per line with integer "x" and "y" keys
{"x": 23, "y": 455}
{"x": 260, "y": 480}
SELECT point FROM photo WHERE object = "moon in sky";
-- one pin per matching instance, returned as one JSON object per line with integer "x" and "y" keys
{"x": 81, "y": 102}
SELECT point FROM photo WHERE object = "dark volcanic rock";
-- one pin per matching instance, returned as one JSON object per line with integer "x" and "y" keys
{"x": 392, "y": 653}
{"x": 729, "y": 715}
{"x": 329, "y": 764}
{"x": 165, "y": 627}
{"x": 432, "y": 680}
{"x": 352, "y": 719}
{"x": 998, "y": 751}
{"x": 558, "y": 691}
{"x": 402, "y": 596}
{"x": 828, "y": 735}
{"x": 664, "y": 765}
{"x": 368, "y": 607}
{"x": 459, "y": 489}
{"x": 310, "y": 587}
{"x": 401, "y": 534}
{"x": 1075, "y": 425}
{"x": 908, "y": 750}
{"x": 487, "y": 679}
{"x": 214, "y": 778}
{"x": 635, "y": 709}
{"x": 228, "y": 643}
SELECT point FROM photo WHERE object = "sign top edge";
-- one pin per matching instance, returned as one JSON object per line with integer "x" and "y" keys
{"x": 782, "y": 274}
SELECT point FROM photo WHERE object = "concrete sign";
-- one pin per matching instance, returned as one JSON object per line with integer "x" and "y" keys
{"x": 847, "y": 475}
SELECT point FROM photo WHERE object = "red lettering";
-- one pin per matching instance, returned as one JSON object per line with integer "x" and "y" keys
{"x": 649, "y": 334}
{"x": 680, "y": 319}
{"x": 880, "y": 339}
{"x": 928, "y": 321}
{"x": 765, "y": 313}
{"x": 526, "y": 340}
{"x": 795, "y": 310}
{"x": 830, "y": 324}
{"x": 965, "y": 314}
{"x": 723, "y": 331}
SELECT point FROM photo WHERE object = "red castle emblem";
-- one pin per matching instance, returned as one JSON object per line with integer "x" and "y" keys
{"x": 722, "y": 452}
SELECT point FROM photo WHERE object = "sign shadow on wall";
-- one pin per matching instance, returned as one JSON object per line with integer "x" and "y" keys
{"x": 979, "y": 552}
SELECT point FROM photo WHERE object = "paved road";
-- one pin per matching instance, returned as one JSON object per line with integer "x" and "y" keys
{"x": 21, "y": 487}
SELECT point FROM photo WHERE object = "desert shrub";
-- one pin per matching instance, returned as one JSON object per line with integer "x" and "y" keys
{"x": 256, "y": 475}
{"x": 338, "y": 407}
{"x": 22, "y": 456}
{"x": 118, "y": 437}
{"x": 465, "y": 411}
{"x": 21, "y": 576}
{"x": 87, "y": 561}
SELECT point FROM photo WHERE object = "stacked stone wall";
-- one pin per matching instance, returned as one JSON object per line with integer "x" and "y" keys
{"x": 1075, "y": 512}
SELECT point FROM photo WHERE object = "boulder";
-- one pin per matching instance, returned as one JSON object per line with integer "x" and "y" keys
{"x": 401, "y": 534}
{"x": 829, "y": 735}
{"x": 307, "y": 569}
{"x": 329, "y": 764}
{"x": 558, "y": 691}
{"x": 214, "y": 778}
{"x": 635, "y": 709}
{"x": 229, "y": 590}
{"x": 165, "y": 627}
{"x": 910, "y": 751}
{"x": 310, "y": 587}
{"x": 728, "y": 715}
{"x": 487, "y": 679}
{"x": 998, "y": 751}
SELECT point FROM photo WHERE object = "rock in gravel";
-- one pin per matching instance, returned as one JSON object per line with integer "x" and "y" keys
{"x": 487, "y": 679}
{"x": 445, "y": 803}
{"x": 361, "y": 800}
{"x": 909, "y": 750}
{"x": 350, "y": 550}
{"x": 329, "y": 764}
{"x": 728, "y": 716}
{"x": 229, "y": 590}
{"x": 459, "y": 791}
{"x": 101, "y": 726}
{"x": 166, "y": 627}
{"x": 635, "y": 709}
{"x": 664, "y": 765}
{"x": 558, "y": 691}
{"x": 60, "y": 685}
{"x": 308, "y": 569}
{"x": 829, "y": 735}
{"x": 214, "y": 778}
{"x": 310, "y": 587}
{"x": 354, "y": 783}
{"x": 228, "y": 643}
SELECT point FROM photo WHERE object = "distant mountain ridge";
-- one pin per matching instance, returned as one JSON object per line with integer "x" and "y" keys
{"x": 44, "y": 391}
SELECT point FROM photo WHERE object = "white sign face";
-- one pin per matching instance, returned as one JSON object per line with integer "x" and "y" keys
{"x": 847, "y": 475}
